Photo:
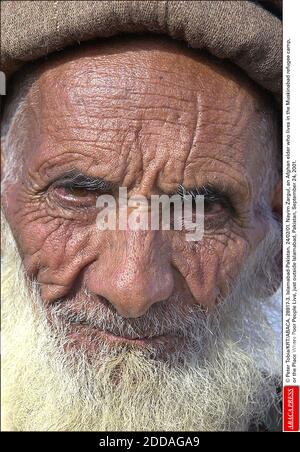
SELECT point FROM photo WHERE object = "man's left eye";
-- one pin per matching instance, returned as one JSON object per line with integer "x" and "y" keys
{"x": 213, "y": 207}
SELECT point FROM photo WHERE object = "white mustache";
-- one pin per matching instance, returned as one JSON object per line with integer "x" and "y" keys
{"x": 169, "y": 317}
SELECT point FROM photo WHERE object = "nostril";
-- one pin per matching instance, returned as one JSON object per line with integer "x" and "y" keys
{"x": 133, "y": 300}
{"x": 133, "y": 313}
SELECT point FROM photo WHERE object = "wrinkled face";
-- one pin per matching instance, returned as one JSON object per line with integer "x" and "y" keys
{"x": 149, "y": 117}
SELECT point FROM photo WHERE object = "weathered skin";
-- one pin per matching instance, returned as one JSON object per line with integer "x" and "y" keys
{"x": 147, "y": 115}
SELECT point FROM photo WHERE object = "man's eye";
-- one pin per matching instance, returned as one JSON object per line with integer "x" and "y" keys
{"x": 75, "y": 196}
{"x": 213, "y": 207}
{"x": 76, "y": 191}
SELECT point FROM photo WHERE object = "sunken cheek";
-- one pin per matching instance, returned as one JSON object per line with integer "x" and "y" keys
{"x": 51, "y": 243}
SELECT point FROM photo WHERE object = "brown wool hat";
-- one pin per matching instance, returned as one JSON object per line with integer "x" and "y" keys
{"x": 247, "y": 33}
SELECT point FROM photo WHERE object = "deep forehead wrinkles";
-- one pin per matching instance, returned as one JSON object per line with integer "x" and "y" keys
{"x": 146, "y": 118}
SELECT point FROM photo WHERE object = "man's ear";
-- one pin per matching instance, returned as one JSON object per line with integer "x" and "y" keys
{"x": 276, "y": 202}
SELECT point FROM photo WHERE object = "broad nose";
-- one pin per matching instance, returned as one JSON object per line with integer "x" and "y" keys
{"x": 135, "y": 274}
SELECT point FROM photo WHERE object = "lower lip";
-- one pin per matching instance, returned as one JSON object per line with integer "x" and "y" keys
{"x": 140, "y": 342}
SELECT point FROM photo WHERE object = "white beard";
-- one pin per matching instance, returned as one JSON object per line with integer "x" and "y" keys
{"x": 218, "y": 384}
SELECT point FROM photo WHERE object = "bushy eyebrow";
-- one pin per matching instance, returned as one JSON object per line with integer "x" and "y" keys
{"x": 210, "y": 189}
{"x": 76, "y": 179}
{"x": 211, "y": 192}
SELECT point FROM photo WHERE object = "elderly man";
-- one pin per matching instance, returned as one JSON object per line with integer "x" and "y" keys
{"x": 139, "y": 329}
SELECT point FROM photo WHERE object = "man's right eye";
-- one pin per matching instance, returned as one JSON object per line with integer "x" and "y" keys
{"x": 69, "y": 196}
{"x": 76, "y": 191}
